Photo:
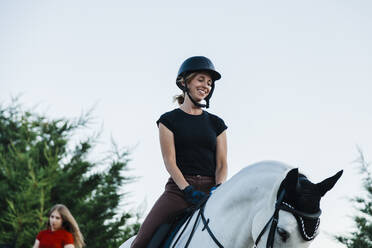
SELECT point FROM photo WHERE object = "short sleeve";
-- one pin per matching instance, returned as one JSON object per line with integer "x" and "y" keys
{"x": 218, "y": 124}
{"x": 68, "y": 239}
{"x": 166, "y": 121}
{"x": 40, "y": 235}
{"x": 221, "y": 126}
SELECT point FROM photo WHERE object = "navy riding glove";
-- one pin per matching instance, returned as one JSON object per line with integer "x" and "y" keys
{"x": 214, "y": 188}
{"x": 192, "y": 195}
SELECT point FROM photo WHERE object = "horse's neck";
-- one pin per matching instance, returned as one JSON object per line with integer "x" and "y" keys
{"x": 241, "y": 200}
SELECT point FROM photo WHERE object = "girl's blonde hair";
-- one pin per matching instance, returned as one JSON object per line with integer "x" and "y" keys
{"x": 68, "y": 223}
{"x": 180, "y": 81}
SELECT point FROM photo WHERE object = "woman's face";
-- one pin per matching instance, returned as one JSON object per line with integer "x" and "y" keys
{"x": 55, "y": 220}
{"x": 200, "y": 86}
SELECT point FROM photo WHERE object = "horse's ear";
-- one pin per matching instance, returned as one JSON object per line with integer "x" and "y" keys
{"x": 291, "y": 180}
{"x": 328, "y": 183}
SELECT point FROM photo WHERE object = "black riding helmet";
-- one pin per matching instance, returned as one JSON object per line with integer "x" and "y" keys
{"x": 197, "y": 64}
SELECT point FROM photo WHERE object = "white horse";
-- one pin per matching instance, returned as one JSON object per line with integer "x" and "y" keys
{"x": 241, "y": 211}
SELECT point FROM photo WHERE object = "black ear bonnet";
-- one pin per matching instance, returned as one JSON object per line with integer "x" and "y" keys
{"x": 305, "y": 198}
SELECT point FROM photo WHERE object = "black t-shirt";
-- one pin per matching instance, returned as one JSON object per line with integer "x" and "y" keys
{"x": 195, "y": 139}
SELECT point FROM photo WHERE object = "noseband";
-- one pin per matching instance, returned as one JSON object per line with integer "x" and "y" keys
{"x": 299, "y": 215}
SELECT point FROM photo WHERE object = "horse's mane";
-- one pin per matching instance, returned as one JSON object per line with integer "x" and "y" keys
{"x": 266, "y": 175}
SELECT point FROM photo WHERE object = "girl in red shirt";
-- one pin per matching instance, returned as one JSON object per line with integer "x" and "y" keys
{"x": 62, "y": 230}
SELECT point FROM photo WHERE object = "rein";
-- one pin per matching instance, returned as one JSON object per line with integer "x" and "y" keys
{"x": 274, "y": 223}
{"x": 200, "y": 206}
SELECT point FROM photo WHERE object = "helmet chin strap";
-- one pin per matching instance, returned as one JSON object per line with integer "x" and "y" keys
{"x": 200, "y": 105}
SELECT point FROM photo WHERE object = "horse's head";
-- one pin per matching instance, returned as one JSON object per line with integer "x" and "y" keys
{"x": 295, "y": 220}
{"x": 300, "y": 198}
{"x": 304, "y": 197}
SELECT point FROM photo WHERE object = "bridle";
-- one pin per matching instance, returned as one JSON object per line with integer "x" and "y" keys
{"x": 299, "y": 215}
{"x": 200, "y": 206}
{"x": 279, "y": 205}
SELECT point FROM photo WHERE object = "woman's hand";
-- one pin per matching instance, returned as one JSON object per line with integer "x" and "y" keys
{"x": 192, "y": 195}
{"x": 214, "y": 188}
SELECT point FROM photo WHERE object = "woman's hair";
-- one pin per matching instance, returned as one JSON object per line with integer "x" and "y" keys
{"x": 182, "y": 80}
{"x": 68, "y": 223}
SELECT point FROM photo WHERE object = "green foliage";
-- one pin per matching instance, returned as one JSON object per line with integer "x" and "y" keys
{"x": 39, "y": 167}
{"x": 362, "y": 236}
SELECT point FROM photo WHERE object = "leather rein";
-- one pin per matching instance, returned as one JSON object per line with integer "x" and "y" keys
{"x": 200, "y": 206}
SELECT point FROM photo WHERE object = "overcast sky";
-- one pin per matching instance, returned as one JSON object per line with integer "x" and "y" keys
{"x": 296, "y": 80}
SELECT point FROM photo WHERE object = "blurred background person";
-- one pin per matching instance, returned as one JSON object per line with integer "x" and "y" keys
{"x": 62, "y": 230}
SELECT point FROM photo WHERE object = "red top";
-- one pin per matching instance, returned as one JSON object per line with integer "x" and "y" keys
{"x": 56, "y": 239}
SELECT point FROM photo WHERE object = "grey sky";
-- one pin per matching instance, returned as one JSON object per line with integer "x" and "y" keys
{"x": 295, "y": 87}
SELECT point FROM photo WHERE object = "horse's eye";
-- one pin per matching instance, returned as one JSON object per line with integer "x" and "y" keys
{"x": 284, "y": 235}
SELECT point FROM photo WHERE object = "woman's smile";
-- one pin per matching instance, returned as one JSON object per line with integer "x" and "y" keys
{"x": 202, "y": 92}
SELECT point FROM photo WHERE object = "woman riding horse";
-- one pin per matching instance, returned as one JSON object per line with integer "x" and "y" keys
{"x": 266, "y": 205}
{"x": 193, "y": 145}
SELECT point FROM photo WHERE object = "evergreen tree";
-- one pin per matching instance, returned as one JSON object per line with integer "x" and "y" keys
{"x": 39, "y": 167}
{"x": 362, "y": 236}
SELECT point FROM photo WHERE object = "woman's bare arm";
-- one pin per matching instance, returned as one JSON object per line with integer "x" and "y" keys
{"x": 221, "y": 158}
{"x": 168, "y": 151}
{"x": 36, "y": 244}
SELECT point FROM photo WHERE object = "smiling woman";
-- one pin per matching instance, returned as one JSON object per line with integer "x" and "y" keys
{"x": 193, "y": 145}
{"x": 62, "y": 230}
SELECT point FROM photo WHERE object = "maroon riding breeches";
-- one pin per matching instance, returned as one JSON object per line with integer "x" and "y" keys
{"x": 168, "y": 204}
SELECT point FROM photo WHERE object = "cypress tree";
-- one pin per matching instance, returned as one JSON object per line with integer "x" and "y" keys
{"x": 362, "y": 236}
{"x": 40, "y": 167}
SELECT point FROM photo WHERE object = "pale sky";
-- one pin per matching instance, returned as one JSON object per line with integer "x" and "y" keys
{"x": 296, "y": 80}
